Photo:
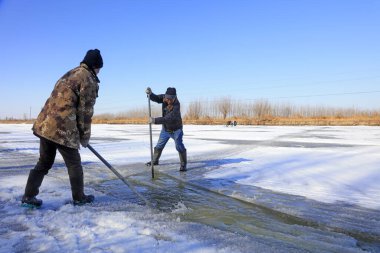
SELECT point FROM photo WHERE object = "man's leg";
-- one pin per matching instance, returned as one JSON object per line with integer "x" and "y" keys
{"x": 177, "y": 136}
{"x": 178, "y": 139}
{"x": 73, "y": 163}
{"x": 47, "y": 155}
{"x": 162, "y": 140}
{"x": 156, "y": 157}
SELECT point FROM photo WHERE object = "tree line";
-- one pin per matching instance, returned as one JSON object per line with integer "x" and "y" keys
{"x": 229, "y": 108}
{"x": 257, "y": 112}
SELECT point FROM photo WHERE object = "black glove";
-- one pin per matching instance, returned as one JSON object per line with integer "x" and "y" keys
{"x": 148, "y": 91}
{"x": 84, "y": 143}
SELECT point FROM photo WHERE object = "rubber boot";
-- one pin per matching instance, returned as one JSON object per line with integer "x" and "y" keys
{"x": 76, "y": 181}
{"x": 34, "y": 182}
{"x": 32, "y": 187}
{"x": 85, "y": 200}
{"x": 183, "y": 159}
{"x": 156, "y": 157}
{"x": 31, "y": 202}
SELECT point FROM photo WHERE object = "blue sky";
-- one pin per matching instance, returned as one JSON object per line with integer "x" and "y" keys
{"x": 314, "y": 52}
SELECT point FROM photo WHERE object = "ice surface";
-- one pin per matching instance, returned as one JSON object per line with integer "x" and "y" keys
{"x": 323, "y": 180}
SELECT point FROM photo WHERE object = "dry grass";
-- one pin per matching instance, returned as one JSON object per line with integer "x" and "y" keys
{"x": 266, "y": 120}
{"x": 275, "y": 121}
{"x": 316, "y": 121}
{"x": 259, "y": 112}
{"x": 16, "y": 121}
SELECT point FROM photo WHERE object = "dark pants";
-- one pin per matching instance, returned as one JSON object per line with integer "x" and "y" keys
{"x": 71, "y": 156}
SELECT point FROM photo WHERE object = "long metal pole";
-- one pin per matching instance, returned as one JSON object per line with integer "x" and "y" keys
{"x": 151, "y": 140}
{"x": 118, "y": 175}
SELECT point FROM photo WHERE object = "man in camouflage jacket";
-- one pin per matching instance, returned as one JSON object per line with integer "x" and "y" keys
{"x": 63, "y": 124}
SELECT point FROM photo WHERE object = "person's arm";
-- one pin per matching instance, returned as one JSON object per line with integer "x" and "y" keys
{"x": 87, "y": 98}
{"x": 170, "y": 117}
{"x": 156, "y": 98}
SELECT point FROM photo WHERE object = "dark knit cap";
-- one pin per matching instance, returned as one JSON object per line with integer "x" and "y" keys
{"x": 171, "y": 91}
{"x": 93, "y": 59}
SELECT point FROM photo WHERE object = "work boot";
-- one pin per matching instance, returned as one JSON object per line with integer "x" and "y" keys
{"x": 33, "y": 184}
{"x": 76, "y": 182}
{"x": 86, "y": 199}
{"x": 31, "y": 201}
{"x": 156, "y": 156}
{"x": 183, "y": 159}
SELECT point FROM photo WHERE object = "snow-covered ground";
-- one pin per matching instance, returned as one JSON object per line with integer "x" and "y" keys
{"x": 313, "y": 189}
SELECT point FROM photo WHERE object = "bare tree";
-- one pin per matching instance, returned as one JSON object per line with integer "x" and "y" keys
{"x": 224, "y": 106}
{"x": 195, "y": 110}
{"x": 262, "y": 108}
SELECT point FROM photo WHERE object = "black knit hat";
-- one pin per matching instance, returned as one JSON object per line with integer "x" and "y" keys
{"x": 171, "y": 91}
{"x": 93, "y": 59}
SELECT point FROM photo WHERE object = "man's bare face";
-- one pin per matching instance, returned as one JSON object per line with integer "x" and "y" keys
{"x": 168, "y": 101}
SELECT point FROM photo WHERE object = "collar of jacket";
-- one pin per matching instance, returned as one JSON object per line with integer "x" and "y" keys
{"x": 83, "y": 65}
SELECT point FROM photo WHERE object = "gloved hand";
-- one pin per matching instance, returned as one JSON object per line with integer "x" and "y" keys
{"x": 84, "y": 143}
{"x": 151, "y": 120}
{"x": 148, "y": 91}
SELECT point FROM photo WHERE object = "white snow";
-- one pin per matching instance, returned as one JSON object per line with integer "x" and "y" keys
{"x": 325, "y": 164}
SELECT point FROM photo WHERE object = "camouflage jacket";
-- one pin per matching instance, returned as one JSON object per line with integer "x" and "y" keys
{"x": 66, "y": 116}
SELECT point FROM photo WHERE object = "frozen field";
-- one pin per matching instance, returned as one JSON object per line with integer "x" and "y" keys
{"x": 247, "y": 189}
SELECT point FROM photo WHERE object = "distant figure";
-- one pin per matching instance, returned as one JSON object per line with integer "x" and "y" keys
{"x": 63, "y": 124}
{"x": 231, "y": 123}
{"x": 171, "y": 121}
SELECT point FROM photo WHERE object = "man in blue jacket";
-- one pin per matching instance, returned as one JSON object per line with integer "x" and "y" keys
{"x": 171, "y": 122}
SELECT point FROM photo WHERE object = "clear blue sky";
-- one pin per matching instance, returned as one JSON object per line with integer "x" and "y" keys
{"x": 303, "y": 52}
